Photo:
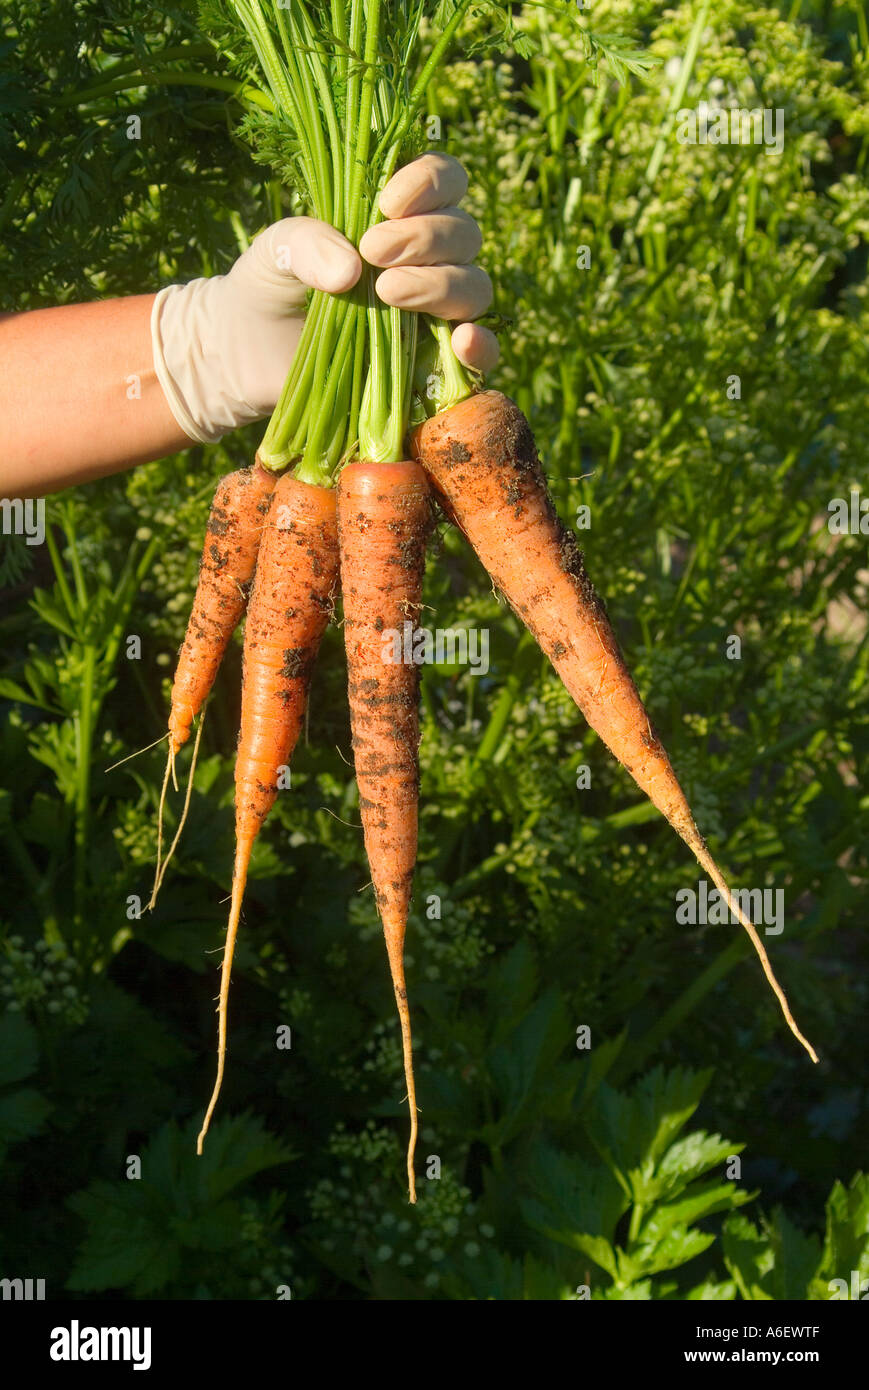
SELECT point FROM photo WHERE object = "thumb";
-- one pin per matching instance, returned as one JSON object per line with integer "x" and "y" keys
{"x": 289, "y": 256}
{"x": 313, "y": 253}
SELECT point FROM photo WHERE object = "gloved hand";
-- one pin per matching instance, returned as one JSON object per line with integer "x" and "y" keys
{"x": 223, "y": 345}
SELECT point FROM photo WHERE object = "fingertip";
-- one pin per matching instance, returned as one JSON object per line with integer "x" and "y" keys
{"x": 319, "y": 256}
{"x": 341, "y": 271}
{"x": 428, "y": 183}
{"x": 339, "y": 262}
{"x": 388, "y": 202}
{"x": 475, "y": 347}
{"x": 368, "y": 246}
{"x": 395, "y": 286}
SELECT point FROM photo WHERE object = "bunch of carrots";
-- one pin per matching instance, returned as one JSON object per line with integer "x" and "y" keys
{"x": 377, "y": 426}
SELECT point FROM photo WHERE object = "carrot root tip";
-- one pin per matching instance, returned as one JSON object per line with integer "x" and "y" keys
{"x": 708, "y": 863}
{"x": 163, "y": 865}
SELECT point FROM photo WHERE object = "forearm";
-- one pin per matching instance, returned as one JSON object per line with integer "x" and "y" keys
{"x": 79, "y": 396}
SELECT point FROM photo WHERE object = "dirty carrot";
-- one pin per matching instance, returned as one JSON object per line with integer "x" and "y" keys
{"x": 482, "y": 459}
{"x": 346, "y": 99}
{"x": 232, "y": 539}
{"x": 384, "y": 519}
{"x": 290, "y": 606}
{"x": 226, "y": 569}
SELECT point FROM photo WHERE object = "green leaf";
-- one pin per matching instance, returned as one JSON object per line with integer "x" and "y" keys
{"x": 117, "y": 1014}
{"x": 241, "y": 1148}
{"x": 19, "y": 1048}
{"x": 511, "y": 986}
{"x": 44, "y": 822}
{"x": 796, "y": 1257}
{"x": 522, "y": 1067}
{"x": 494, "y": 1276}
{"x": 22, "y": 1114}
{"x": 633, "y": 1293}
{"x": 596, "y": 1247}
{"x": 846, "y": 1241}
{"x": 748, "y": 1257}
{"x": 178, "y": 939}
{"x": 675, "y": 1248}
{"x": 698, "y": 1202}
{"x": 573, "y": 1200}
{"x": 710, "y": 1291}
{"x": 11, "y": 690}
{"x": 631, "y": 1131}
{"x": 140, "y": 1232}
{"x": 775, "y": 1261}
{"x": 124, "y": 1247}
{"x": 690, "y": 1158}
{"x": 51, "y": 609}
{"x": 595, "y": 1066}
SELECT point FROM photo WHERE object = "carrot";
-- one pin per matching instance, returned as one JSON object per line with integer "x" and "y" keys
{"x": 290, "y": 607}
{"x": 226, "y": 569}
{"x": 384, "y": 519}
{"x": 481, "y": 457}
{"x": 232, "y": 539}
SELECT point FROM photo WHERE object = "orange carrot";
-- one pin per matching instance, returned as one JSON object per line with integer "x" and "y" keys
{"x": 384, "y": 519}
{"x": 481, "y": 457}
{"x": 290, "y": 606}
{"x": 232, "y": 539}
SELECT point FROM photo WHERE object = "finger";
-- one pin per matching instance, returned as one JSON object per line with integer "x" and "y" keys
{"x": 431, "y": 182}
{"x": 448, "y": 291}
{"x": 313, "y": 252}
{"x": 477, "y": 347}
{"x": 439, "y": 238}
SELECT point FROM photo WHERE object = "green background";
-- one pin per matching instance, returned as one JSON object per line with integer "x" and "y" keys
{"x": 609, "y": 1168}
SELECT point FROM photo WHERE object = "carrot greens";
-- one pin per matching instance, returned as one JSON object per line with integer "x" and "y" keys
{"x": 348, "y": 82}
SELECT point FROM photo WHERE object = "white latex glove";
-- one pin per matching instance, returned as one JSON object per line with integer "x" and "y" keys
{"x": 223, "y": 345}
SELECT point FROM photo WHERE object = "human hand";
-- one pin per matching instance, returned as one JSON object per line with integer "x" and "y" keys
{"x": 223, "y": 345}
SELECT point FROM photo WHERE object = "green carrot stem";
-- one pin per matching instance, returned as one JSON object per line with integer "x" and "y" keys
{"x": 284, "y": 88}
{"x": 300, "y": 64}
{"x": 356, "y": 209}
{"x": 331, "y": 395}
{"x": 347, "y": 81}
{"x": 351, "y": 109}
{"x": 457, "y": 384}
{"x": 374, "y": 414}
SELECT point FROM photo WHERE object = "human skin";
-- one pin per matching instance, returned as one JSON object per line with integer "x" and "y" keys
{"x": 79, "y": 394}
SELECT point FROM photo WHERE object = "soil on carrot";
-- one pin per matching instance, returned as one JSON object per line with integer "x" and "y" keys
{"x": 297, "y": 663}
{"x": 507, "y": 445}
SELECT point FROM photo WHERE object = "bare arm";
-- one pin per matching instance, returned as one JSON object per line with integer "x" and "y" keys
{"x": 79, "y": 396}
